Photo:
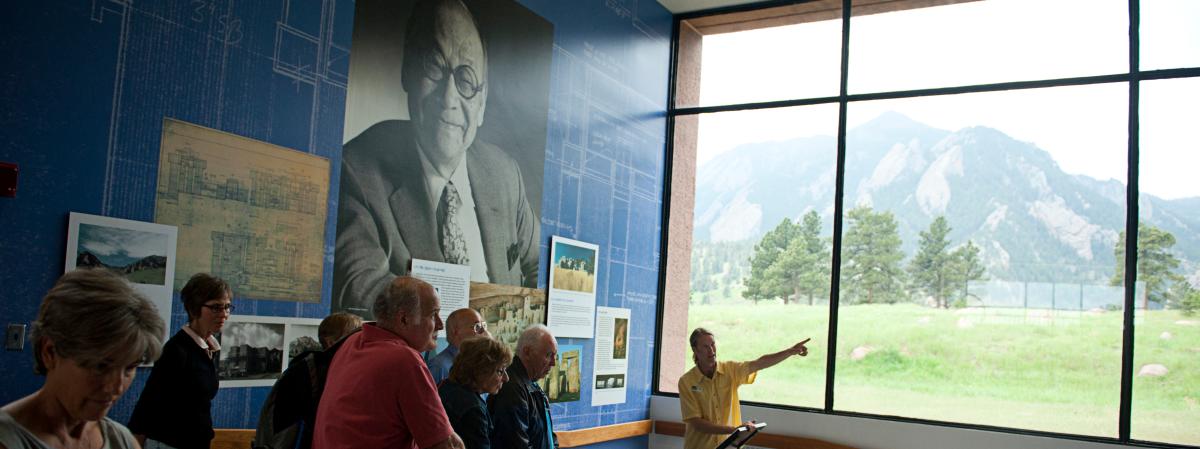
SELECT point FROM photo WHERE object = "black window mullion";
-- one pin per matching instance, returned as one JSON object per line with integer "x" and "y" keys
{"x": 1131, "y": 231}
{"x": 835, "y": 268}
{"x": 665, "y": 231}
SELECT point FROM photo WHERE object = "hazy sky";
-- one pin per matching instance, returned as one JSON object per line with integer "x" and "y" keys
{"x": 259, "y": 335}
{"x": 1084, "y": 127}
{"x": 120, "y": 246}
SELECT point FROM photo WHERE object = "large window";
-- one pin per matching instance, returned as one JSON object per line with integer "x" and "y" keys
{"x": 962, "y": 193}
{"x": 1166, "y": 386}
{"x": 976, "y": 258}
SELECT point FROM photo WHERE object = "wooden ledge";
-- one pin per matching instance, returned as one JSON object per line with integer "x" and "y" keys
{"x": 763, "y": 439}
{"x": 241, "y": 438}
{"x": 593, "y": 435}
{"x": 232, "y": 438}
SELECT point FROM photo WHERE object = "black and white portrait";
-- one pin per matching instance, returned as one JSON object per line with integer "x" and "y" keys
{"x": 445, "y": 143}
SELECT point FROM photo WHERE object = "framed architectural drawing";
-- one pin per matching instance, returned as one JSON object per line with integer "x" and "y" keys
{"x": 249, "y": 212}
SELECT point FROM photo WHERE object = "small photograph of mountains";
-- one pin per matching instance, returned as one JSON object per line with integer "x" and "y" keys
{"x": 140, "y": 256}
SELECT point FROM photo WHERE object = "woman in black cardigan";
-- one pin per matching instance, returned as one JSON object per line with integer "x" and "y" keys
{"x": 479, "y": 367}
{"x": 175, "y": 409}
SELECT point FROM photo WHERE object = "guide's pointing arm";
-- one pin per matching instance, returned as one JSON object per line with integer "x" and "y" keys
{"x": 769, "y": 360}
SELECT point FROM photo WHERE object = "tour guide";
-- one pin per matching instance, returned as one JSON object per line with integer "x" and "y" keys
{"x": 708, "y": 398}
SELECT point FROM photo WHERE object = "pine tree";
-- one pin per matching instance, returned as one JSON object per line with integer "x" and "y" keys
{"x": 966, "y": 267}
{"x": 764, "y": 282}
{"x": 871, "y": 258}
{"x": 804, "y": 266}
{"x": 1155, "y": 264}
{"x": 1190, "y": 302}
{"x": 932, "y": 267}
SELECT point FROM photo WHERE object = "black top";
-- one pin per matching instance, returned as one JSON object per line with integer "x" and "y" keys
{"x": 294, "y": 399}
{"x": 468, "y": 414}
{"x": 176, "y": 405}
{"x": 519, "y": 412}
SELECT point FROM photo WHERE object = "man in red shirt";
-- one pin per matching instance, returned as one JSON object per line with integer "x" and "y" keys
{"x": 378, "y": 392}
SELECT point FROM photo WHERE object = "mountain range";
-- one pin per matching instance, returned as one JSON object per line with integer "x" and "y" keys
{"x": 1031, "y": 220}
{"x": 87, "y": 259}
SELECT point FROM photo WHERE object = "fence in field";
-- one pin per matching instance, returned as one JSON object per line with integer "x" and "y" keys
{"x": 1047, "y": 303}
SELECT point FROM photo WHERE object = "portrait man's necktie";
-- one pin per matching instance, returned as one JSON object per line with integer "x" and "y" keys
{"x": 454, "y": 245}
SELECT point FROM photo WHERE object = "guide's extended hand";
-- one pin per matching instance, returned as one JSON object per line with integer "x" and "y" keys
{"x": 800, "y": 349}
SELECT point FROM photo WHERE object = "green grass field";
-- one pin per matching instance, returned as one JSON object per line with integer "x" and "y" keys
{"x": 1057, "y": 372}
{"x": 156, "y": 276}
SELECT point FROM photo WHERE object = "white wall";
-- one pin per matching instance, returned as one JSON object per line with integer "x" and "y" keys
{"x": 864, "y": 433}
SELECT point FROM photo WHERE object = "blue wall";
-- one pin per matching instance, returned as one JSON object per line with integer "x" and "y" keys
{"x": 87, "y": 83}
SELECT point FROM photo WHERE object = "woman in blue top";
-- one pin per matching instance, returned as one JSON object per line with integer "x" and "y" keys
{"x": 479, "y": 367}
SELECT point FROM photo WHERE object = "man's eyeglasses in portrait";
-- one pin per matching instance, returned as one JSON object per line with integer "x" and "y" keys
{"x": 479, "y": 327}
{"x": 465, "y": 80}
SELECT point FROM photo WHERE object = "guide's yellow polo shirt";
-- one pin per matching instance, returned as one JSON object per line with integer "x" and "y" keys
{"x": 715, "y": 400}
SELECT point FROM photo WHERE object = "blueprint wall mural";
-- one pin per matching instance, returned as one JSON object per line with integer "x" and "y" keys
{"x": 87, "y": 84}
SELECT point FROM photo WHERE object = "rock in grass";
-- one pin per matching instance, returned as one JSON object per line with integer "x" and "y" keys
{"x": 860, "y": 352}
{"x": 1153, "y": 370}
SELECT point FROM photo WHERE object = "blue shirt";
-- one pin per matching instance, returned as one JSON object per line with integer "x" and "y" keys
{"x": 439, "y": 365}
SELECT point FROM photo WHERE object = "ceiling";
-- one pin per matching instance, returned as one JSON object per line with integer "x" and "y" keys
{"x": 682, "y": 6}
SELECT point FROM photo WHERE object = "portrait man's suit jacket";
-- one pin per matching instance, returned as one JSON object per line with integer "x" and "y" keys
{"x": 385, "y": 218}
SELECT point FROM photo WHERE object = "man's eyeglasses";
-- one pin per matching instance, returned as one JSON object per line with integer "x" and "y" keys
{"x": 465, "y": 80}
{"x": 218, "y": 308}
{"x": 479, "y": 327}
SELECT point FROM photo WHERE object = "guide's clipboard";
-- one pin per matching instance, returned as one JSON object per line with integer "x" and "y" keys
{"x": 741, "y": 435}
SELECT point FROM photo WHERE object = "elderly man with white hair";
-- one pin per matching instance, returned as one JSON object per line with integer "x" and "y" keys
{"x": 520, "y": 411}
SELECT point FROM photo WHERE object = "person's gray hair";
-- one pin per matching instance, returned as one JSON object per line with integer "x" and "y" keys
{"x": 531, "y": 336}
{"x": 402, "y": 294}
{"x": 95, "y": 318}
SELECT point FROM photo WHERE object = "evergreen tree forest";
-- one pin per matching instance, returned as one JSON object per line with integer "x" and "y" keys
{"x": 792, "y": 263}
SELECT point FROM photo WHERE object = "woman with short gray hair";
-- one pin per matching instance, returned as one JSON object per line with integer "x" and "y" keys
{"x": 92, "y": 331}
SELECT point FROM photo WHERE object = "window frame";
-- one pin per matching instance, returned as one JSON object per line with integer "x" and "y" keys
{"x": 776, "y": 13}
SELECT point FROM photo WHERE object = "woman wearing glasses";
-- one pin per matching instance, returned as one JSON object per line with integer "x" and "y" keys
{"x": 175, "y": 408}
{"x": 479, "y": 368}
{"x": 85, "y": 375}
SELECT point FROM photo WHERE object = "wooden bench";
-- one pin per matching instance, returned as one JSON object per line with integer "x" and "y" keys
{"x": 232, "y": 438}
